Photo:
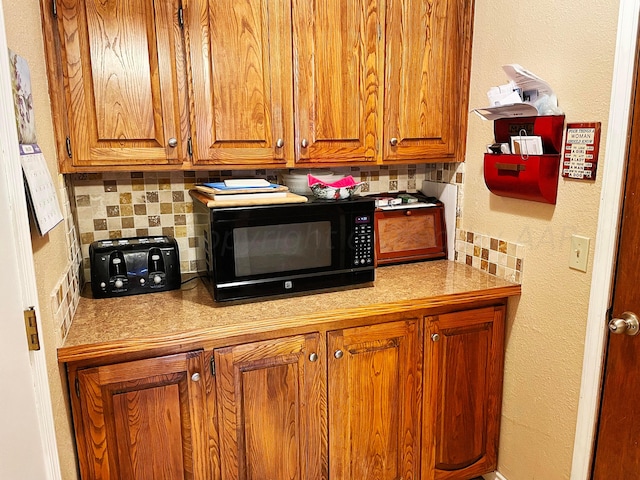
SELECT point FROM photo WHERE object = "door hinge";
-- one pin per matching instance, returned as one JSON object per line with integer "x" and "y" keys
{"x": 68, "y": 143}
{"x": 54, "y": 9}
{"x": 77, "y": 385}
{"x": 213, "y": 366}
{"x": 181, "y": 16}
{"x": 190, "y": 147}
{"x": 31, "y": 325}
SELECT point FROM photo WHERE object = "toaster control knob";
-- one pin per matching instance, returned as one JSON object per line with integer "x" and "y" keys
{"x": 103, "y": 285}
{"x": 155, "y": 257}
{"x": 157, "y": 279}
{"x": 119, "y": 283}
{"x": 142, "y": 281}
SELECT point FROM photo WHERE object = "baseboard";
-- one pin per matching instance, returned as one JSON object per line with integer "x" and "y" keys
{"x": 494, "y": 476}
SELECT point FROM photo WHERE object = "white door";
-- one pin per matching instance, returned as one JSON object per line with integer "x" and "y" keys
{"x": 27, "y": 439}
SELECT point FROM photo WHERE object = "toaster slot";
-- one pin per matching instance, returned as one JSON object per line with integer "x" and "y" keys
{"x": 118, "y": 280}
{"x": 157, "y": 271}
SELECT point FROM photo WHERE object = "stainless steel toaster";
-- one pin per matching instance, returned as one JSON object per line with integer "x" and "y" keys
{"x": 130, "y": 266}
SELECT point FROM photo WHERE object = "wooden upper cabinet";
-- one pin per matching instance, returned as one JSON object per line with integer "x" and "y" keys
{"x": 124, "y": 82}
{"x": 337, "y": 55}
{"x": 145, "y": 419}
{"x": 428, "y": 56}
{"x": 374, "y": 377}
{"x": 271, "y": 400}
{"x": 461, "y": 425}
{"x": 239, "y": 56}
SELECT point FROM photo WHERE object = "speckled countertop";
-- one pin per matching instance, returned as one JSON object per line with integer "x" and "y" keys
{"x": 149, "y": 321}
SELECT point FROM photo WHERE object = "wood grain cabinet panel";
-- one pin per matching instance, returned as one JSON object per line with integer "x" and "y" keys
{"x": 428, "y": 55}
{"x": 337, "y": 80}
{"x": 464, "y": 354}
{"x": 239, "y": 56}
{"x": 374, "y": 390}
{"x": 144, "y": 419}
{"x": 272, "y": 409}
{"x": 124, "y": 82}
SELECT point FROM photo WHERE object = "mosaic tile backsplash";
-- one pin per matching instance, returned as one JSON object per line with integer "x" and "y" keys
{"x": 66, "y": 293}
{"x": 115, "y": 205}
{"x": 494, "y": 256}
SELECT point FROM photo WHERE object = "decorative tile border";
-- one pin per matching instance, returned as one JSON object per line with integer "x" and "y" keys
{"x": 66, "y": 294}
{"x": 115, "y": 205}
{"x": 494, "y": 256}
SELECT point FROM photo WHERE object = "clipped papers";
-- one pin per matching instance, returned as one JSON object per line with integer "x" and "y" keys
{"x": 526, "y": 95}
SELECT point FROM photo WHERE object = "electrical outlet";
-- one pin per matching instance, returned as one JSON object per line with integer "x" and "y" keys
{"x": 579, "y": 253}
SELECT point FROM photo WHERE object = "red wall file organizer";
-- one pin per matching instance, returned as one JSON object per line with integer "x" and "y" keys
{"x": 529, "y": 177}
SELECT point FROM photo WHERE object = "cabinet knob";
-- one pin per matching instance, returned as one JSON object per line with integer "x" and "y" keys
{"x": 195, "y": 377}
{"x": 304, "y": 143}
{"x": 435, "y": 337}
{"x": 279, "y": 143}
{"x": 313, "y": 357}
{"x": 393, "y": 141}
{"x": 338, "y": 353}
{"x": 173, "y": 142}
{"x": 408, "y": 213}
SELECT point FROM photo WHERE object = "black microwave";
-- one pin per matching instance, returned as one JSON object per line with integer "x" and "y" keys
{"x": 265, "y": 250}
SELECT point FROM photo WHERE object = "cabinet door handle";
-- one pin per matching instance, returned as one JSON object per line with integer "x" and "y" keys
{"x": 304, "y": 143}
{"x": 279, "y": 143}
{"x": 435, "y": 337}
{"x": 313, "y": 357}
{"x": 173, "y": 142}
{"x": 393, "y": 141}
{"x": 195, "y": 377}
{"x": 408, "y": 213}
{"x": 338, "y": 353}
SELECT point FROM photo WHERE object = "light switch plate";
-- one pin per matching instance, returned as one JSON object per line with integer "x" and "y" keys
{"x": 579, "y": 253}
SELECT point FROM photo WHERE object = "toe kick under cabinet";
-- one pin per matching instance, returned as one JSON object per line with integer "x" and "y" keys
{"x": 408, "y": 395}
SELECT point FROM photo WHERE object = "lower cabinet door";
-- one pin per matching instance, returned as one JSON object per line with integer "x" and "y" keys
{"x": 374, "y": 379}
{"x": 143, "y": 419}
{"x": 463, "y": 379}
{"x": 271, "y": 399}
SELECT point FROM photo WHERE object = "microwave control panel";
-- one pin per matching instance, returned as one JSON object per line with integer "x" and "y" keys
{"x": 363, "y": 241}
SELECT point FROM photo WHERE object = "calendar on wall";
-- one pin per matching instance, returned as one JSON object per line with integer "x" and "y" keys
{"x": 40, "y": 189}
{"x": 580, "y": 154}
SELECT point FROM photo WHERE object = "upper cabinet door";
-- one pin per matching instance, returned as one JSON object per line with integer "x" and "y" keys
{"x": 122, "y": 65}
{"x": 336, "y": 80}
{"x": 428, "y": 57}
{"x": 239, "y": 57}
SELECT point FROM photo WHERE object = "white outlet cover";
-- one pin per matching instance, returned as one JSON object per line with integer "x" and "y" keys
{"x": 579, "y": 253}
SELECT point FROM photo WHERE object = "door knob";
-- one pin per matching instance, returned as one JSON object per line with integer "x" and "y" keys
{"x": 304, "y": 143}
{"x": 280, "y": 143}
{"x": 195, "y": 377}
{"x": 393, "y": 141}
{"x": 627, "y": 324}
{"x": 313, "y": 357}
{"x": 173, "y": 142}
{"x": 338, "y": 354}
